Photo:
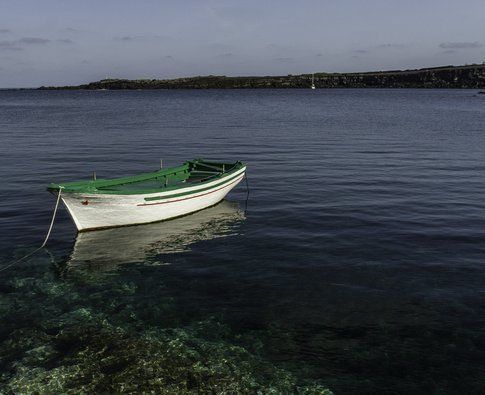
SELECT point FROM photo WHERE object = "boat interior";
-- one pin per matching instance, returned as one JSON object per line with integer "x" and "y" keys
{"x": 191, "y": 172}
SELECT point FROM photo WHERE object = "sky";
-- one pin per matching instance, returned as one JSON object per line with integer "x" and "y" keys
{"x": 54, "y": 42}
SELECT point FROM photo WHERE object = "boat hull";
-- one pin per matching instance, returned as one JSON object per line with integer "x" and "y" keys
{"x": 99, "y": 211}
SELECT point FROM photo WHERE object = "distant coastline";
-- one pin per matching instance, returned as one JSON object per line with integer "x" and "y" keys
{"x": 468, "y": 76}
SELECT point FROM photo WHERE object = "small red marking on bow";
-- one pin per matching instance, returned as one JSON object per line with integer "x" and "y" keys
{"x": 85, "y": 202}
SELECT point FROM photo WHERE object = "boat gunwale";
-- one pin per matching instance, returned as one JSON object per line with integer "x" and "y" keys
{"x": 193, "y": 194}
{"x": 97, "y": 187}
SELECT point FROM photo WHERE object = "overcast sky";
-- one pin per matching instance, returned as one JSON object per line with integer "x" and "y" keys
{"x": 54, "y": 42}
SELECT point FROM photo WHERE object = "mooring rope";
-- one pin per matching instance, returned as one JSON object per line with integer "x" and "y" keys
{"x": 247, "y": 185}
{"x": 247, "y": 194}
{"x": 46, "y": 238}
{"x": 53, "y": 218}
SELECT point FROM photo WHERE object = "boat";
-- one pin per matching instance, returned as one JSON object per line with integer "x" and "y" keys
{"x": 149, "y": 197}
{"x": 313, "y": 81}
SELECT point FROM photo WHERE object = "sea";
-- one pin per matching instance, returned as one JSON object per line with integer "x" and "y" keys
{"x": 351, "y": 259}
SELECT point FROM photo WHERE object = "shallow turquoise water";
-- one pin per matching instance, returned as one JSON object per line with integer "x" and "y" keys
{"x": 355, "y": 265}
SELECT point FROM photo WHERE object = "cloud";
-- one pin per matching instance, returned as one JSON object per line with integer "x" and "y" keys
{"x": 236, "y": 12}
{"x": 276, "y": 47}
{"x": 11, "y": 49}
{"x": 16, "y": 45}
{"x": 124, "y": 38}
{"x": 33, "y": 40}
{"x": 220, "y": 47}
{"x": 460, "y": 45}
{"x": 141, "y": 38}
{"x": 360, "y": 50}
{"x": 9, "y": 46}
{"x": 285, "y": 60}
{"x": 391, "y": 45}
{"x": 4, "y": 30}
{"x": 65, "y": 41}
{"x": 225, "y": 55}
{"x": 449, "y": 51}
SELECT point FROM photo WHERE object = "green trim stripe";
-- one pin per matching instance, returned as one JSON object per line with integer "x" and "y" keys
{"x": 226, "y": 180}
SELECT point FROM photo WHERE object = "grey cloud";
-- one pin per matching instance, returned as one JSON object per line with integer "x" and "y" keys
{"x": 280, "y": 52}
{"x": 124, "y": 38}
{"x": 16, "y": 45}
{"x": 9, "y": 46}
{"x": 65, "y": 41}
{"x": 391, "y": 45}
{"x": 236, "y": 12}
{"x": 219, "y": 47}
{"x": 33, "y": 40}
{"x": 4, "y": 30}
{"x": 286, "y": 60}
{"x": 159, "y": 37}
{"x": 460, "y": 45}
{"x": 449, "y": 51}
{"x": 276, "y": 47}
{"x": 360, "y": 51}
{"x": 141, "y": 38}
{"x": 226, "y": 55}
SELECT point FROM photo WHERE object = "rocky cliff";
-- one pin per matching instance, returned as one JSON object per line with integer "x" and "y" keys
{"x": 470, "y": 76}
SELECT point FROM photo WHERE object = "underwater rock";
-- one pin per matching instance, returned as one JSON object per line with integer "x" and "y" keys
{"x": 104, "y": 345}
{"x": 96, "y": 356}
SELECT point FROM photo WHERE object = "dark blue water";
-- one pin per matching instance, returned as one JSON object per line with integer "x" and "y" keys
{"x": 357, "y": 264}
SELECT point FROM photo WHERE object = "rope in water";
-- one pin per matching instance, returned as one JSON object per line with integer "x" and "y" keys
{"x": 247, "y": 185}
{"x": 247, "y": 194}
{"x": 45, "y": 240}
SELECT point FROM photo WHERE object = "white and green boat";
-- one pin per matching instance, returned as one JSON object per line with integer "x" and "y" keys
{"x": 149, "y": 197}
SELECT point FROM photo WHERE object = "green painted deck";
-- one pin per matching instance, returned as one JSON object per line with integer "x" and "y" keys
{"x": 191, "y": 173}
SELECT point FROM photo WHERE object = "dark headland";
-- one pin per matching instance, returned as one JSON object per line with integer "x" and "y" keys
{"x": 469, "y": 76}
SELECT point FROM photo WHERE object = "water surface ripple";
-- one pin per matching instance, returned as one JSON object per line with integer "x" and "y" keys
{"x": 356, "y": 265}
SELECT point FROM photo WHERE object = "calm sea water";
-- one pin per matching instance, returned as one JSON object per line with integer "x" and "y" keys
{"x": 357, "y": 263}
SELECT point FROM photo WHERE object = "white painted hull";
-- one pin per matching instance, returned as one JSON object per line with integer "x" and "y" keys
{"x": 95, "y": 211}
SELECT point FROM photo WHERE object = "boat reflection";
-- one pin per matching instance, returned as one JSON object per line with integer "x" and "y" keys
{"x": 104, "y": 250}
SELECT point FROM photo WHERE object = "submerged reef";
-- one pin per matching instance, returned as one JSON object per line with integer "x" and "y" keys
{"x": 469, "y": 76}
{"x": 57, "y": 340}
{"x": 89, "y": 354}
